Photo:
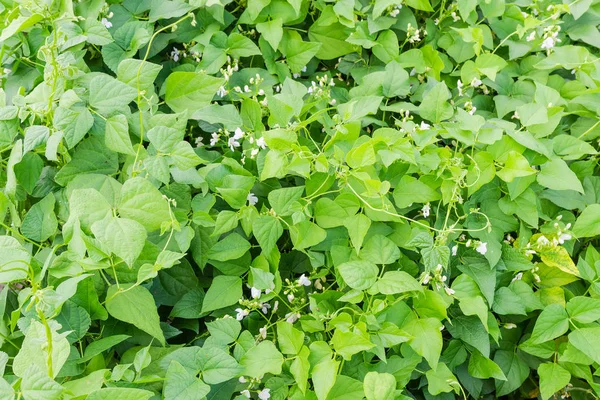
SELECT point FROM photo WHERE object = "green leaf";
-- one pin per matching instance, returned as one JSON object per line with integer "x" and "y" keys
{"x": 116, "y": 136}
{"x": 426, "y": 338}
{"x": 100, "y": 346}
{"x": 324, "y": 376}
{"x": 441, "y": 380}
{"x": 267, "y": 230}
{"x": 36, "y": 385}
{"x": 306, "y": 234}
{"x": 379, "y": 386}
{"x": 515, "y": 166}
{"x": 37, "y": 353}
{"x": 223, "y": 292}
{"x": 241, "y": 46}
{"x": 350, "y": 343}
{"x": 584, "y": 309}
{"x": 587, "y": 340}
{"x": 123, "y": 237}
{"x": 556, "y": 175}
{"x": 553, "y": 377}
{"x": 272, "y": 31}
{"x": 588, "y": 222}
{"x": 74, "y": 123}
{"x": 483, "y": 368}
{"x": 135, "y": 305}
{"x": 435, "y": 106}
{"x": 142, "y": 202}
{"x": 116, "y": 393}
{"x": 411, "y": 190}
{"x": 394, "y": 282}
{"x": 108, "y": 94}
{"x": 514, "y": 368}
{"x": 283, "y": 200}
{"x": 552, "y": 323}
{"x": 216, "y": 365}
{"x": 40, "y": 221}
{"x": 359, "y": 275}
{"x": 180, "y": 384}
{"x": 138, "y": 73}
{"x": 290, "y": 339}
{"x": 190, "y": 90}
{"x": 262, "y": 359}
{"x": 231, "y": 247}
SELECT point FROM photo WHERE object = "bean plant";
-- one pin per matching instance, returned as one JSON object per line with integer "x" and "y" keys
{"x": 299, "y": 199}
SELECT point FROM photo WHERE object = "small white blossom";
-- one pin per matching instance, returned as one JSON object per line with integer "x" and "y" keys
{"x": 476, "y": 82}
{"x": 245, "y": 393}
{"x": 242, "y": 379}
{"x": 454, "y": 250}
{"x": 543, "y": 241}
{"x": 564, "y": 237}
{"x": 263, "y": 332}
{"x": 303, "y": 281}
{"x": 459, "y": 86}
{"x": 531, "y": 36}
{"x": 265, "y": 306}
{"x": 246, "y": 89}
{"x": 529, "y": 252}
{"x": 275, "y": 305}
{"x": 290, "y": 297}
{"x": 255, "y": 293}
{"x": 482, "y": 248}
{"x": 106, "y": 23}
{"x": 175, "y": 54}
{"x": 214, "y": 138}
{"x": 264, "y": 394}
{"x": 424, "y": 126}
{"x": 296, "y": 75}
{"x": 468, "y": 244}
{"x": 232, "y": 143}
{"x": 261, "y": 92}
{"x": 518, "y": 277}
{"x": 222, "y": 92}
{"x": 241, "y": 314}
{"x": 455, "y": 17}
{"x": 260, "y": 142}
{"x": 449, "y": 291}
{"x": 394, "y": 13}
{"x": 510, "y": 325}
{"x": 548, "y": 43}
{"x": 198, "y": 141}
{"x": 238, "y": 134}
{"x": 426, "y": 279}
{"x": 426, "y": 210}
{"x": 252, "y": 199}
{"x": 292, "y": 317}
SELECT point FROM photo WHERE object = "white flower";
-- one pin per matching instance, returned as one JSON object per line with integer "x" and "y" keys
{"x": 531, "y": 36}
{"x": 242, "y": 379}
{"x": 255, "y": 293}
{"x": 175, "y": 54}
{"x": 263, "y": 332}
{"x": 449, "y": 291}
{"x": 424, "y": 126}
{"x": 110, "y": 15}
{"x": 264, "y": 394}
{"x": 459, "y": 86}
{"x": 265, "y": 306}
{"x": 292, "y": 317}
{"x": 517, "y": 277}
{"x": 472, "y": 110}
{"x": 543, "y": 241}
{"x": 303, "y": 69}
{"x": 476, "y": 82}
{"x": 303, "y": 280}
{"x": 455, "y": 17}
{"x": 260, "y": 142}
{"x": 245, "y": 393}
{"x": 275, "y": 305}
{"x": 238, "y": 134}
{"x": 214, "y": 138}
{"x": 426, "y": 279}
{"x": 468, "y": 244}
{"x": 296, "y": 75}
{"x": 261, "y": 92}
{"x": 241, "y": 314}
{"x": 106, "y": 23}
{"x": 222, "y": 92}
{"x": 564, "y": 237}
{"x": 394, "y": 13}
{"x": 290, "y": 297}
{"x": 199, "y": 141}
{"x": 529, "y": 252}
{"x": 510, "y": 325}
{"x": 252, "y": 199}
{"x": 426, "y": 210}
{"x": 232, "y": 143}
{"x": 454, "y": 250}
{"x": 482, "y": 248}
{"x": 246, "y": 89}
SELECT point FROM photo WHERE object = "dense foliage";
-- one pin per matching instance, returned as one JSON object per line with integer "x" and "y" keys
{"x": 303, "y": 199}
